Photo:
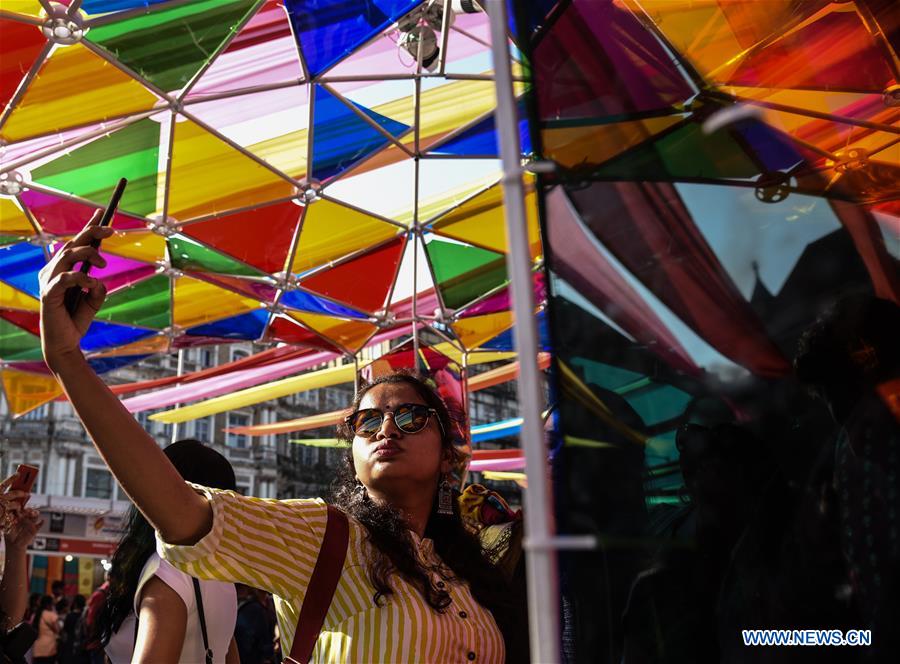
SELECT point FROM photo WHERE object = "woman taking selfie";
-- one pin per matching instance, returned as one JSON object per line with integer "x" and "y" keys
{"x": 414, "y": 585}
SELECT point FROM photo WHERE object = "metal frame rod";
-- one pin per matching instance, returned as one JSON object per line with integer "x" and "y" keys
{"x": 543, "y": 593}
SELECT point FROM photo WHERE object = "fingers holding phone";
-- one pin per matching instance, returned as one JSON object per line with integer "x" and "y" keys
{"x": 70, "y": 297}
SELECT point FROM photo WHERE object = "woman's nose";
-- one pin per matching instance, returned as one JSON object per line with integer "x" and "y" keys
{"x": 388, "y": 428}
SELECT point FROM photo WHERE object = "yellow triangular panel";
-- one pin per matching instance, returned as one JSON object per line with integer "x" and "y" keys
{"x": 210, "y": 176}
{"x": 26, "y": 7}
{"x": 141, "y": 245}
{"x": 197, "y": 302}
{"x": 287, "y": 153}
{"x": 481, "y": 221}
{"x": 448, "y": 107}
{"x": 157, "y": 344}
{"x": 27, "y": 391}
{"x": 350, "y": 334}
{"x": 12, "y": 220}
{"x": 75, "y": 87}
{"x": 331, "y": 230}
{"x": 473, "y": 332}
{"x": 12, "y": 298}
{"x": 594, "y": 144}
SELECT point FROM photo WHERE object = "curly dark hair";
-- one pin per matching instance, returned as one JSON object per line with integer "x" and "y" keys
{"x": 459, "y": 549}
{"x": 196, "y": 463}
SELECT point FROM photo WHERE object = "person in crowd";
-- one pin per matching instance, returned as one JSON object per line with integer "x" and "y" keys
{"x": 152, "y": 611}
{"x": 57, "y": 591}
{"x": 253, "y": 633}
{"x": 46, "y": 624}
{"x": 850, "y": 358}
{"x": 19, "y": 527}
{"x": 415, "y": 584}
{"x": 71, "y": 638}
{"x": 95, "y": 605}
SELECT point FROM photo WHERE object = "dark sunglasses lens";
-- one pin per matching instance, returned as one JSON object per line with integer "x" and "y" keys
{"x": 366, "y": 422}
{"x": 411, "y": 418}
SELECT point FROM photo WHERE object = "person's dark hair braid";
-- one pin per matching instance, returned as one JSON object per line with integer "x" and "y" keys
{"x": 458, "y": 548}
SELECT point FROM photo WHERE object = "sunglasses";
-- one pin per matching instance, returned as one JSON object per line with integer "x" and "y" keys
{"x": 408, "y": 417}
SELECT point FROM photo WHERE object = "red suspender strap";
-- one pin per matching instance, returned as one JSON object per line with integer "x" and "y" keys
{"x": 322, "y": 585}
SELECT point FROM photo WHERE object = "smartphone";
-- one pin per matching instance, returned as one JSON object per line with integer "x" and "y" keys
{"x": 24, "y": 479}
{"x": 74, "y": 294}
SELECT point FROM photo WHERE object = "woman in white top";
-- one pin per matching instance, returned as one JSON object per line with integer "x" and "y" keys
{"x": 152, "y": 612}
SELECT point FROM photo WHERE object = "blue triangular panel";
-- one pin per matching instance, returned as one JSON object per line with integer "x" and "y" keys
{"x": 505, "y": 341}
{"x": 341, "y": 137}
{"x": 245, "y": 326}
{"x": 19, "y": 266}
{"x": 307, "y": 302}
{"x": 102, "y": 365}
{"x": 105, "y": 335}
{"x": 327, "y": 31}
{"x": 481, "y": 139}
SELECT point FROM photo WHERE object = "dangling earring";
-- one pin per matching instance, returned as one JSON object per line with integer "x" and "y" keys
{"x": 445, "y": 498}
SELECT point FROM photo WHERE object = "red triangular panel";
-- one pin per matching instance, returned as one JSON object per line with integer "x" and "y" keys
{"x": 282, "y": 329}
{"x": 260, "y": 237}
{"x": 364, "y": 282}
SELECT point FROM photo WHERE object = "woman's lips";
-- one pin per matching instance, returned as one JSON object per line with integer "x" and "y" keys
{"x": 386, "y": 452}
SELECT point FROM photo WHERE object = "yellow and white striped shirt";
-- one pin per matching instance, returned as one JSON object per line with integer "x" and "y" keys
{"x": 273, "y": 545}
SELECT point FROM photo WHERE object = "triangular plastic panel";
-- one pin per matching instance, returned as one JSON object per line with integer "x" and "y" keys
{"x": 145, "y": 304}
{"x": 19, "y": 267}
{"x": 464, "y": 273}
{"x": 16, "y": 299}
{"x": 31, "y": 8}
{"x": 105, "y": 335}
{"x": 480, "y": 221}
{"x": 260, "y": 237}
{"x": 286, "y": 330}
{"x": 104, "y": 92}
{"x": 473, "y": 332}
{"x": 271, "y": 125}
{"x": 24, "y": 43}
{"x": 481, "y": 138}
{"x": 303, "y": 301}
{"x": 63, "y": 216}
{"x": 120, "y": 272}
{"x": 30, "y": 321}
{"x": 264, "y": 291}
{"x": 13, "y": 220}
{"x": 27, "y": 391}
{"x": 331, "y": 230}
{"x": 209, "y": 176}
{"x": 168, "y": 46}
{"x": 17, "y": 343}
{"x": 196, "y": 302}
{"x": 342, "y": 281}
{"x": 351, "y": 335}
{"x": 189, "y": 255}
{"x": 323, "y": 43}
{"x": 144, "y": 246}
{"x": 262, "y": 53}
{"x": 245, "y": 326}
{"x": 341, "y": 137}
{"x": 92, "y": 170}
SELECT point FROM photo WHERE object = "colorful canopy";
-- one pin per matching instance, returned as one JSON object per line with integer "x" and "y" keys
{"x": 301, "y": 172}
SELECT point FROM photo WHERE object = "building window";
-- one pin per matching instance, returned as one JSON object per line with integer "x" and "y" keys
{"x": 238, "y": 354}
{"x": 38, "y": 413}
{"x": 202, "y": 429}
{"x": 233, "y": 439}
{"x": 207, "y": 357}
{"x": 98, "y": 483}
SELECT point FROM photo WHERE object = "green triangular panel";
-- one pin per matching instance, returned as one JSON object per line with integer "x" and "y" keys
{"x": 464, "y": 273}
{"x": 93, "y": 170}
{"x": 186, "y": 254}
{"x": 9, "y": 239}
{"x": 685, "y": 152}
{"x": 145, "y": 304}
{"x": 17, "y": 344}
{"x": 168, "y": 46}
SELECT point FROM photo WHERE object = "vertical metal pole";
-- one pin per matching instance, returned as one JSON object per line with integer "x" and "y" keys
{"x": 180, "y": 371}
{"x": 543, "y": 595}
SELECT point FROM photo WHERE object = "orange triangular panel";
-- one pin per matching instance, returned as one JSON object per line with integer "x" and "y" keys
{"x": 343, "y": 282}
{"x": 284, "y": 329}
{"x": 26, "y": 391}
{"x": 351, "y": 335}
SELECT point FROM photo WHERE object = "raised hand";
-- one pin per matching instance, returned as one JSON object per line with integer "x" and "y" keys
{"x": 60, "y": 332}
